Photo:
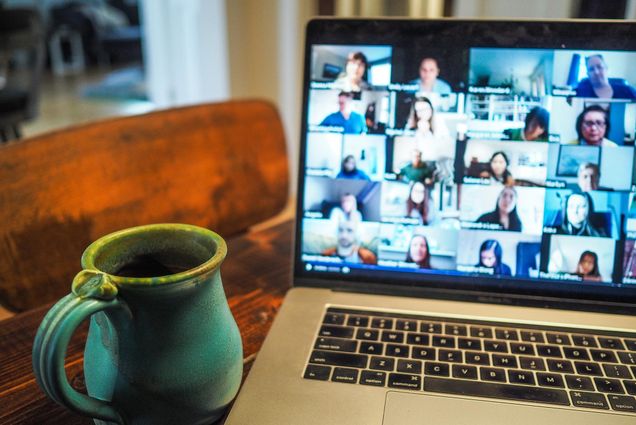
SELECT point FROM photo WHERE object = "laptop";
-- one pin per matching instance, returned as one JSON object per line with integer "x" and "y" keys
{"x": 464, "y": 249}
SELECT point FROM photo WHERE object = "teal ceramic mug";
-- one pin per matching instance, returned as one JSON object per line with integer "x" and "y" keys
{"x": 162, "y": 347}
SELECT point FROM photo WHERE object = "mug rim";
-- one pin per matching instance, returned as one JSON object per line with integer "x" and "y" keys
{"x": 91, "y": 252}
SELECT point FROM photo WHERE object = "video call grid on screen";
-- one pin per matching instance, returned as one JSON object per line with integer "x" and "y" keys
{"x": 518, "y": 153}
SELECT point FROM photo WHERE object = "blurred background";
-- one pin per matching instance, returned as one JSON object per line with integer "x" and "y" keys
{"x": 65, "y": 62}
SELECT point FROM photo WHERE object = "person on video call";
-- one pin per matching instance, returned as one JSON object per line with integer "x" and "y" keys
{"x": 535, "y": 129}
{"x": 598, "y": 84}
{"x": 417, "y": 203}
{"x": 429, "y": 81}
{"x": 592, "y": 125}
{"x": 576, "y": 221}
{"x": 349, "y": 170}
{"x": 497, "y": 170}
{"x": 348, "y": 247}
{"x": 347, "y": 211}
{"x": 373, "y": 126}
{"x": 490, "y": 254}
{"x": 351, "y": 121}
{"x": 505, "y": 212}
{"x": 587, "y": 268}
{"x": 418, "y": 252}
{"x": 417, "y": 170}
{"x": 354, "y": 77}
{"x": 588, "y": 176}
{"x": 431, "y": 134}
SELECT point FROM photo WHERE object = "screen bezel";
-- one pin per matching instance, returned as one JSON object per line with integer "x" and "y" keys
{"x": 573, "y": 34}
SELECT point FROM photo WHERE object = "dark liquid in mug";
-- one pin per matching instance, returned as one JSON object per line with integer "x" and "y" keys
{"x": 149, "y": 266}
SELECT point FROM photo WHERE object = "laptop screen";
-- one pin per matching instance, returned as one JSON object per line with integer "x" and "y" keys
{"x": 471, "y": 155}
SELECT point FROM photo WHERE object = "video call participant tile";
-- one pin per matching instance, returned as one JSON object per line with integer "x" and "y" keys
{"x": 498, "y": 253}
{"x": 504, "y": 208}
{"x": 580, "y": 259}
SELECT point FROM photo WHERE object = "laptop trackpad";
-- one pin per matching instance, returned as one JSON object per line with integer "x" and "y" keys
{"x": 428, "y": 409}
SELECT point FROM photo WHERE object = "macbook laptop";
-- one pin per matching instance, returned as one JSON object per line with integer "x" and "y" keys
{"x": 464, "y": 248}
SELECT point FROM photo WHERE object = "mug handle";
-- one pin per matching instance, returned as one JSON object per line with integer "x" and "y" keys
{"x": 92, "y": 292}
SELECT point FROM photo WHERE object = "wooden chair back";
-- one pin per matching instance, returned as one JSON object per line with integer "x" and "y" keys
{"x": 221, "y": 166}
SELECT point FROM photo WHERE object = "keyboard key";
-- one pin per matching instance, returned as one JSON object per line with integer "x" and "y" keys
{"x": 585, "y": 368}
{"x": 584, "y": 341}
{"x": 603, "y": 356}
{"x": 453, "y": 356}
{"x": 611, "y": 343}
{"x": 457, "y": 330}
{"x": 631, "y": 344}
{"x": 469, "y": 344}
{"x": 334, "y": 319}
{"x": 531, "y": 363}
{"x": 532, "y": 336}
{"x": 588, "y": 400}
{"x": 393, "y": 336}
{"x": 382, "y": 363}
{"x": 560, "y": 366}
{"x": 550, "y": 380}
{"x": 361, "y": 321}
{"x": 319, "y": 373}
{"x": 504, "y": 360}
{"x": 481, "y": 332}
{"x": 496, "y": 346}
{"x": 606, "y": 385}
{"x": 496, "y": 390}
{"x": 616, "y": 371}
{"x": 335, "y": 358}
{"x": 492, "y": 374}
{"x": 579, "y": 383}
{"x": 465, "y": 372}
{"x": 371, "y": 348}
{"x": 343, "y": 374}
{"x": 417, "y": 339}
{"x": 367, "y": 334}
{"x": 431, "y": 327}
{"x": 630, "y": 386}
{"x": 336, "y": 331}
{"x": 520, "y": 377}
{"x": 436, "y": 369}
{"x": 423, "y": 353}
{"x": 336, "y": 344}
{"x": 627, "y": 357}
{"x": 521, "y": 348}
{"x": 382, "y": 323}
{"x": 444, "y": 341}
{"x": 370, "y": 377}
{"x": 575, "y": 353}
{"x": 477, "y": 358}
{"x": 561, "y": 339}
{"x": 409, "y": 366}
{"x": 406, "y": 325}
{"x": 507, "y": 334}
{"x": 549, "y": 351}
{"x": 397, "y": 350}
{"x": 407, "y": 382}
{"x": 622, "y": 403}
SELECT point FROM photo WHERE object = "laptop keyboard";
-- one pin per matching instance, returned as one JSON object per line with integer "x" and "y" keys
{"x": 553, "y": 365}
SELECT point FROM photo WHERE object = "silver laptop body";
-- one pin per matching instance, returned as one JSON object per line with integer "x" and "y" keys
{"x": 464, "y": 248}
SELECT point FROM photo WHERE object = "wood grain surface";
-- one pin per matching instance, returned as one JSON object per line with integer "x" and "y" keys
{"x": 256, "y": 276}
{"x": 221, "y": 166}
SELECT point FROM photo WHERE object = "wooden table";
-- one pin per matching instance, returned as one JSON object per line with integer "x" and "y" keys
{"x": 256, "y": 275}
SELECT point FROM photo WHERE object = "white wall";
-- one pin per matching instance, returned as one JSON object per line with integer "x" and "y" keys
{"x": 266, "y": 45}
{"x": 185, "y": 51}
